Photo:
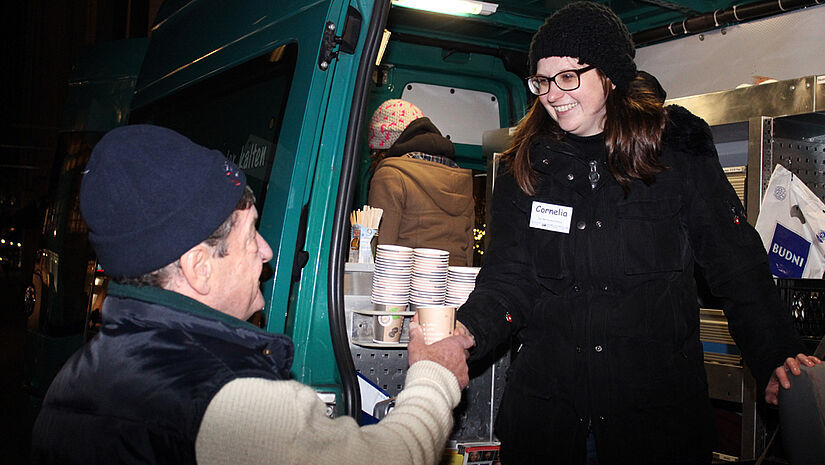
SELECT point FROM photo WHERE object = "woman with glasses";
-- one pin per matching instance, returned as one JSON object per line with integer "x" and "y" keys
{"x": 608, "y": 204}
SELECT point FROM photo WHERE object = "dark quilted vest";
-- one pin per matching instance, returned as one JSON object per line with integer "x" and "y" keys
{"x": 137, "y": 392}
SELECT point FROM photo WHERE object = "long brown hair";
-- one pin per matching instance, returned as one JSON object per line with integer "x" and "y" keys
{"x": 375, "y": 158}
{"x": 635, "y": 122}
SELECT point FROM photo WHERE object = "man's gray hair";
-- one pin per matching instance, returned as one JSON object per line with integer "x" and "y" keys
{"x": 217, "y": 241}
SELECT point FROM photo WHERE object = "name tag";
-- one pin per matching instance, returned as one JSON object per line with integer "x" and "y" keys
{"x": 551, "y": 217}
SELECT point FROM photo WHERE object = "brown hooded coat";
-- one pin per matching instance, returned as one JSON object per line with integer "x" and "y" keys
{"x": 426, "y": 204}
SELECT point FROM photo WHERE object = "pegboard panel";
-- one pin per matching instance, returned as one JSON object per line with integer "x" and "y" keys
{"x": 384, "y": 366}
{"x": 387, "y": 368}
{"x": 805, "y": 159}
{"x": 475, "y": 414}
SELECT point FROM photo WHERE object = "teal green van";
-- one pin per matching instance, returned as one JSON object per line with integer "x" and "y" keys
{"x": 286, "y": 88}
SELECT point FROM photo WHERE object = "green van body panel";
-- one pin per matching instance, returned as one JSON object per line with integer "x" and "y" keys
{"x": 308, "y": 323}
{"x": 307, "y": 150}
{"x": 245, "y": 79}
{"x": 101, "y": 84}
{"x": 184, "y": 64}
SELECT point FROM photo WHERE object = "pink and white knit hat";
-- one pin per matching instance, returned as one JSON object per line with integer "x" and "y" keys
{"x": 389, "y": 121}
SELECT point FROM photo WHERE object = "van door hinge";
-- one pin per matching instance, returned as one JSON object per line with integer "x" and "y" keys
{"x": 346, "y": 42}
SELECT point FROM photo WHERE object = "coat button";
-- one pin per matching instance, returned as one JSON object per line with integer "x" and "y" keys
{"x": 576, "y": 288}
{"x": 267, "y": 352}
{"x": 546, "y": 161}
{"x": 598, "y": 348}
{"x": 570, "y": 177}
{"x": 605, "y": 288}
{"x": 598, "y": 224}
{"x": 578, "y": 349}
{"x": 581, "y": 225}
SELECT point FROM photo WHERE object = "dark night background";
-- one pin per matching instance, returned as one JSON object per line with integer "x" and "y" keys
{"x": 41, "y": 39}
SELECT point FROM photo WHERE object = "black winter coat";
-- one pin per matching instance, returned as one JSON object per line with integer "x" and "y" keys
{"x": 606, "y": 314}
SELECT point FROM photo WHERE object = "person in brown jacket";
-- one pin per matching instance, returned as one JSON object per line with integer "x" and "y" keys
{"x": 427, "y": 199}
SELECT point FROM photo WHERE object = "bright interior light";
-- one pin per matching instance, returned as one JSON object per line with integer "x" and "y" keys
{"x": 450, "y": 7}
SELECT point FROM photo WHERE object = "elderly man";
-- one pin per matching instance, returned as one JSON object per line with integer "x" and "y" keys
{"x": 176, "y": 375}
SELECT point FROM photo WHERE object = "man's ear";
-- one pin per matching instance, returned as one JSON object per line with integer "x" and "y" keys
{"x": 196, "y": 266}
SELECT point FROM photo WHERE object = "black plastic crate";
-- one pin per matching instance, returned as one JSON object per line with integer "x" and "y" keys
{"x": 805, "y": 300}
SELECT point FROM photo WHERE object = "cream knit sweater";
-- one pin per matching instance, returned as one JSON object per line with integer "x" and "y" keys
{"x": 259, "y": 421}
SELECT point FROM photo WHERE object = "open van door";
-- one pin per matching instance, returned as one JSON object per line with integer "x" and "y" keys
{"x": 274, "y": 86}
{"x": 284, "y": 89}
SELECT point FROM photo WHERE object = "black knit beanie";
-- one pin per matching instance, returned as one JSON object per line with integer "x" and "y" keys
{"x": 150, "y": 194}
{"x": 592, "y": 33}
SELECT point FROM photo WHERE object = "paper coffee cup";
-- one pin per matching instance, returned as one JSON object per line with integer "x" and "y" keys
{"x": 387, "y": 328}
{"x": 436, "y": 321}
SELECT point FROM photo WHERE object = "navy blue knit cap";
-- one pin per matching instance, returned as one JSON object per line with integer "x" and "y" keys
{"x": 150, "y": 194}
{"x": 592, "y": 33}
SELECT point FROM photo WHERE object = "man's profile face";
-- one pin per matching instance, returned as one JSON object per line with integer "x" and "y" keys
{"x": 236, "y": 275}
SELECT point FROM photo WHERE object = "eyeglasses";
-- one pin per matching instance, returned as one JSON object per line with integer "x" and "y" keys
{"x": 565, "y": 80}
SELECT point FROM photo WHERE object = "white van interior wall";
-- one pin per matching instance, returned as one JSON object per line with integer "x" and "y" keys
{"x": 460, "y": 114}
{"x": 782, "y": 47}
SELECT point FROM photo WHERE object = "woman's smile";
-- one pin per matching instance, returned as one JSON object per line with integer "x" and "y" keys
{"x": 564, "y": 108}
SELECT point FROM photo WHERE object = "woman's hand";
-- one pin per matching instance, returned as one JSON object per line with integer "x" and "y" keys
{"x": 780, "y": 375}
{"x": 461, "y": 330}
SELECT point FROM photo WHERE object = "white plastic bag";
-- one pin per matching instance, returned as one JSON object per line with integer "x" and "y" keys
{"x": 791, "y": 223}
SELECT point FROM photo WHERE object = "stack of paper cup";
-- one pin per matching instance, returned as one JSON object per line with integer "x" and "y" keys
{"x": 428, "y": 285}
{"x": 461, "y": 280}
{"x": 391, "y": 279}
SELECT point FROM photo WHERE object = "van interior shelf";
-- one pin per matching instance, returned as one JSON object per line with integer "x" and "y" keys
{"x": 381, "y": 345}
{"x": 382, "y": 312}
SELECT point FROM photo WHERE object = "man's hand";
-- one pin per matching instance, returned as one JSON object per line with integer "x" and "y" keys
{"x": 450, "y": 352}
{"x": 780, "y": 375}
